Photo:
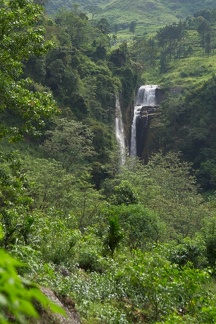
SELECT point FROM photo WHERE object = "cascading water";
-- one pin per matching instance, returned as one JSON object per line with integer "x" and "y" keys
{"x": 146, "y": 97}
{"x": 133, "y": 148}
{"x": 119, "y": 132}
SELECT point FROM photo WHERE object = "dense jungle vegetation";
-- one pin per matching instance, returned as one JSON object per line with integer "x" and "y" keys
{"x": 127, "y": 244}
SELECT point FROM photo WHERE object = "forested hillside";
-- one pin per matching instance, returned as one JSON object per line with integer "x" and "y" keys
{"x": 148, "y": 15}
{"x": 131, "y": 243}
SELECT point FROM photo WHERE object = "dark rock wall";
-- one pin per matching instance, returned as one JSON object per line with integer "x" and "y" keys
{"x": 147, "y": 125}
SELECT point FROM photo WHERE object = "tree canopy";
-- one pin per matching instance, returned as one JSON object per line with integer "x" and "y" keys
{"x": 21, "y": 37}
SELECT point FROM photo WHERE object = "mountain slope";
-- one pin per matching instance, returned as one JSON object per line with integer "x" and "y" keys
{"x": 154, "y": 12}
{"x": 141, "y": 11}
{"x": 144, "y": 12}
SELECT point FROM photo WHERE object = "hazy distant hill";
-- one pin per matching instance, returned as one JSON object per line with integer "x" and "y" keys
{"x": 144, "y": 12}
{"x": 53, "y": 5}
{"x": 158, "y": 12}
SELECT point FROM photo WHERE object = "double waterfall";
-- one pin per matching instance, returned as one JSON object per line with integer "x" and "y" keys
{"x": 145, "y": 105}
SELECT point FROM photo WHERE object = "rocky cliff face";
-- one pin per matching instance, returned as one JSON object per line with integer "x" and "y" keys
{"x": 147, "y": 126}
{"x": 47, "y": 317}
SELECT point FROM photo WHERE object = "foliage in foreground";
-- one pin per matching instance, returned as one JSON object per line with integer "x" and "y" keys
{"x": 134, "y": 287}
{"x": 18, "y": 295}
{"x": 112, "y": 262}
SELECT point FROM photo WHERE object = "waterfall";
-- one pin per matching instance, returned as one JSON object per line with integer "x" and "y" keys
{"x": 133, "y": 148}
{"x": 146, "y": 97}
{"x": 119, "y": 132}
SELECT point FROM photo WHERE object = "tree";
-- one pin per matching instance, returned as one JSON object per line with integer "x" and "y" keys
{"x": 140, "y": 226}
{"x": 124, "y": 194}
{"x": 209, "y": 235}
{"x": 14, "y": 201}
{"x": 176, "y": 186}
{"x": 71, "y": 143}
{"x": 58, "y": 194}
{"x": 203, "y": 28}
{"x": 77, "y": 26}
{"x": 192, "y": 126}
{"x": 132, "y": 26}
{"x": 21, "y": 36}
{"x": 104, "y": 26}
{"x": 208, "y": 43}
{"x": 165, "y": 289}
{"x": 114, "y": 235}
{"x": 206, "y": 14}
{"x": 144, "y": 50}
{"x": 168, "y": 38}
{"x": 166, "y": 186}
{"x": 21, "y": 110}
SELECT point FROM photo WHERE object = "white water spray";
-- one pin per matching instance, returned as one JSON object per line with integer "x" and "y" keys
{"x": 145, "y": 98}
{"x": 119, "y": 132}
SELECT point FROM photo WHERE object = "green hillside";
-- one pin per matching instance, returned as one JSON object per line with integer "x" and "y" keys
{"x": 115, "y": 242}
{"x": 147, "y": 14}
